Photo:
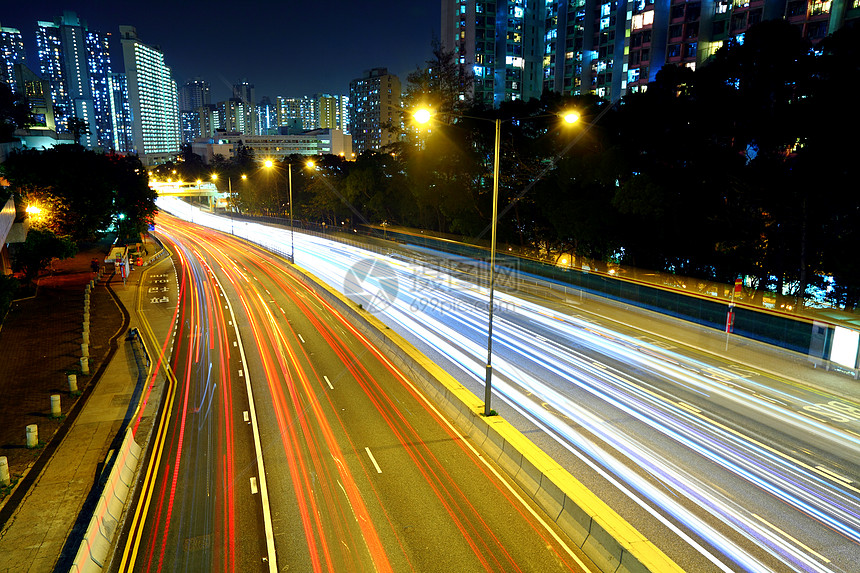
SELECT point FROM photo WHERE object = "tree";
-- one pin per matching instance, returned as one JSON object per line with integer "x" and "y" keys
{"x": 82, "y": 193}
{"x": 36, "y": 252}
{"x": 439, "y": 86}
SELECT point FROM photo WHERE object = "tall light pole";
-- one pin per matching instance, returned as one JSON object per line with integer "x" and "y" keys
{"x": 423, "y": 116}
{"x": 269, "y": 164}
{"x": 488, "y": 384}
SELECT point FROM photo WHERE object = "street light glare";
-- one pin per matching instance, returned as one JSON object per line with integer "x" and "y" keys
{"x": 268, "y": 164}
{"x": 571, "y": 116}
{"x": 422, "y": 115}
{"x": 310, "y": 164}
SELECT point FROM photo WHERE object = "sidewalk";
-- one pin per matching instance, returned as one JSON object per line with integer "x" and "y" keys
{"x": 42, "y": 337}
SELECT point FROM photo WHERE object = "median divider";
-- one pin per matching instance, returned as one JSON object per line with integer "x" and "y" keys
{"x": 605, "y": 537}
{"x": 96, "y": 545}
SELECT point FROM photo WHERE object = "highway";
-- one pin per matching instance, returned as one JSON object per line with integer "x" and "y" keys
{"x": 725, "y": 466}
{"x": 291, "y": 443}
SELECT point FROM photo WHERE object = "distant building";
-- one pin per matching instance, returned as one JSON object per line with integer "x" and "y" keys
{"x": 193, "y": 95}
{"x": 209, "y": 117}
{"x": 305, "y": 109}
{"x": 11, "y": 52}
{"x": 247, "y": 95}
{"x": 121, "y": 124}
{"x": 315, "y": 142}
{"x": 153, "y": 100}
{"x": 375, "y": 104}
{"x": 76, "y": 62}
{"x": 267, "y": 117}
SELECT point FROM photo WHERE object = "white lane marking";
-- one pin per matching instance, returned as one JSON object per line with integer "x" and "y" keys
{"x": 258, "y": 450}
{"x": 253, "y": 486}
{"x": 328, "y": 382}
{"x": 245, "y": 416}
{"x": 241, "y": 373}
{"x": 376, "y": 465}
{"x": 300, "y": 337}
{"x": 790, "y": 538}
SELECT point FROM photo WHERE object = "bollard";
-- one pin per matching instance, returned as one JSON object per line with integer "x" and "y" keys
{"x": 56, "y": 411}
{"x": 32, "y": 436}
{"x": 85, "y": 350}
{"x": 5, "y": 480}
{"x": 73, "y": 382}
{"x": 86, "y": 337}
{"x": 85, "y": 365}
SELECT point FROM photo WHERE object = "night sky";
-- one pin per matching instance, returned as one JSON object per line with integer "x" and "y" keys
{"x": 289, "y": 48}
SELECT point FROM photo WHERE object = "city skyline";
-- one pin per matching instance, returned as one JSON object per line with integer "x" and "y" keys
{"x": 319, "y": 53}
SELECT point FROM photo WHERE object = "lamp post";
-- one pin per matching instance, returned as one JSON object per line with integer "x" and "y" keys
{"x": 231, "y": 202}
{"x": 269, "y": 164}
{"x": 423, "y": 116}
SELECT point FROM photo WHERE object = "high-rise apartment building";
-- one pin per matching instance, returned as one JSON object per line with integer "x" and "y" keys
{"x": 267, "y": 117}
{"x": 76, "y": 63}
{"x": 515, "y": 49}
{"x": 327, "y": 106}
{"x": 375, "y": 103}
{"x": 302, "y": 110}
{"x": 153, "y": 99}
{"x": 120, "y": 112}
{"x": 11, "y": 52}
{"x": 193, "y": 95}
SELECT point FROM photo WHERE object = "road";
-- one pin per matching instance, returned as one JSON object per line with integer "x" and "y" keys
{"x": 291, "y": 443}
{"x": 727, "y": 467}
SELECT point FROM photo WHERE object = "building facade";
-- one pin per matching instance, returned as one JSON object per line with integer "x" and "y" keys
{"x": 193, "y": 94}
{"x": 516, "y": 49}
{"x": 375, "y": 104}
{"x": 276, "y": 147}
{"x": 121, "y": 123}
{"x": 76, "y": 62}
{"x": 11, "y": 52}
{"x": 153, "y": 100}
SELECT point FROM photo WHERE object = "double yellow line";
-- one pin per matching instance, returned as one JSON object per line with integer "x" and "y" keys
{"x": 129, "y": 554}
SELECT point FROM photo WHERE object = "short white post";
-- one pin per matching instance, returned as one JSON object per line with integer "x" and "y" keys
{"x": 73, "y": 382}
{"x": 85, "y": 350}
{"x": 56, "y": 410}
{"x": 86, "y": 337}
{"x": 32, "y": 436}
{"x": 85, "y": 365}
{"x": 4, "y": 471}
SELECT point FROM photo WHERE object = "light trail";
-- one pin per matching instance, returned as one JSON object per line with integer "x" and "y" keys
{"x": 547, "y": 366}
{"x": 308, "y": 421}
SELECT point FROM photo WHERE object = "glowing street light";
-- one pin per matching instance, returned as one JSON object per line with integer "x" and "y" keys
{"x": 424, "y": 115}
{"x": 269, "y": 164}
{"x": 570, "y": 116}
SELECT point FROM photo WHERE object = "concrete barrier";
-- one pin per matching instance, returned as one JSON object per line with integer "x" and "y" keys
{"x": 96, "y": 545}
{"x": 605, "y": 537}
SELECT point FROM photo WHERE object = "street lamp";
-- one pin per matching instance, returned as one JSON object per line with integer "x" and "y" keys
{"x": 269, "y": 164}
{"x": 424, "y": 115}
